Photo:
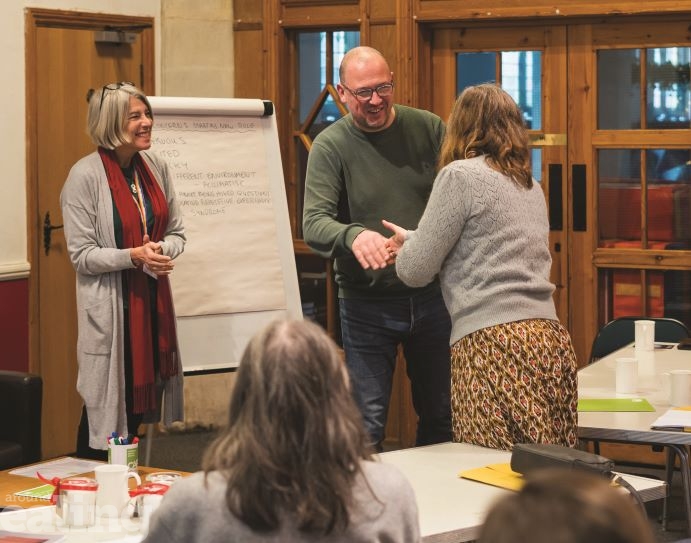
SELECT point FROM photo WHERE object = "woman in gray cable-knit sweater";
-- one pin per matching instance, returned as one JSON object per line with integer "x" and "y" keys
{"x": 485, "y": 232}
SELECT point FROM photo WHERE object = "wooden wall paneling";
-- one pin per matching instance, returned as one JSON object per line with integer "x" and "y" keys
{"x": 319, "y": 16}
{"x": 452, "y": 10}
{"x": 272, "y": 47}
{"x": 422, "y": 67}
{"x": 290, "y": 166}
{"x": 383, "y": 38}
{"x": 249, "y": 67}
{"x": 365, "y": 22}
{"x": 405, "y": 42}
{"x": 443, "y": 65}
{"x": 639, "y": 258}
{"x": 401, "y": 424}
{"x": 248, "y": 10}
{"x": 631, "y": 34}
{"x": 554, "y": 122}
{"x": 318, "y": 2}
{"x": 383, "y": 9}
{"x": 581, "y": 120}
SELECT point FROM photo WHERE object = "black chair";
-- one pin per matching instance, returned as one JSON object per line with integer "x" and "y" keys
{"x": 620, "y": 332}
{"x": 21, "y": 397}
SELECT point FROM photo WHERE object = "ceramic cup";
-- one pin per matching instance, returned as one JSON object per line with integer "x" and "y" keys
{"x": 112, "y": 495}
{"x": 680, "y": 387}
{"x": 626, "y": 375}
{"x": 644, "y": 335}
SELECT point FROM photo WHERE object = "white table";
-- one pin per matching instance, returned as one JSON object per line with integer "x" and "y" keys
{"x": 453, "y": 509}
{"x": 598, "y": 381}
{"x": 42, "y": 520}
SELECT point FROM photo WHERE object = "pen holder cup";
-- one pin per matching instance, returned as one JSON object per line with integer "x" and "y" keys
{"x": 127, "y": 455}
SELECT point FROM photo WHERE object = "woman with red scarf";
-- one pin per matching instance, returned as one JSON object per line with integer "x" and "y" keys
{"x": 123, "y": 229}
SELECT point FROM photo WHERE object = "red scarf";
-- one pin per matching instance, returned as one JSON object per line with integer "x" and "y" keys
{"x": 141, "y": 324}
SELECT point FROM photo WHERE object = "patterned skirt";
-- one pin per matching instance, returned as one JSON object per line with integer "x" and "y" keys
{"x": 515, "y": 383}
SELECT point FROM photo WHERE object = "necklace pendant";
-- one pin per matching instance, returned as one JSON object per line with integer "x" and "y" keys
{"x": 134, "y": 188}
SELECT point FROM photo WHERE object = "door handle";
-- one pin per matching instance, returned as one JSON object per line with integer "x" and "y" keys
{"x": 579, "y": 210}
{"x": 556, "y": 213}
{"x": 47, "y": 231}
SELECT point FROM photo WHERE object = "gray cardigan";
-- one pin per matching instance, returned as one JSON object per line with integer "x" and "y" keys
{"x": 87, "y": 212}
{"x": 488, "y": 239}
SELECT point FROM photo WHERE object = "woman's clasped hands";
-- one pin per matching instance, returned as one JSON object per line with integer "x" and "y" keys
{"x": 149, "y": 256}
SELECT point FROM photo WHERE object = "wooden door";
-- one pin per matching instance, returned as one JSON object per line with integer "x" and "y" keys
{"x": 629, "y": 158}
{"x": 530, "y": 63}
{"x": 63, "y": 62}
{"x": 614, "y": 137}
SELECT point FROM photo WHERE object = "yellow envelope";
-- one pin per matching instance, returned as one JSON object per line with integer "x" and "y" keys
{"x": 499, "y": 475}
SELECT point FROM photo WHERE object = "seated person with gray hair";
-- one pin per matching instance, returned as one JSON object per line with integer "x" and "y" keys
{"x": 293, "y": 463}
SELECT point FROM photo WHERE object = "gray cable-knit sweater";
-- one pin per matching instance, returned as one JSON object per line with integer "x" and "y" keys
{"x": 487, "y": 238}
{"x": 192, "y": 510}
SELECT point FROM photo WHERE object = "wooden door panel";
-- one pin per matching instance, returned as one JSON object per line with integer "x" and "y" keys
{"x": 589, "y": 305}
{"x": 66, "y": 63}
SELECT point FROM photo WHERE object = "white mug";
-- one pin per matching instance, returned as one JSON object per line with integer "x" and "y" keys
{"x": 679, "y": 387}
{"x": 626, "y": 376}
{"x": 644, "y": 335}
{"x": 112, "y": 495}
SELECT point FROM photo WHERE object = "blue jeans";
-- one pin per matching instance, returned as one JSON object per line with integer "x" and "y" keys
{"x": 372, "y": 329}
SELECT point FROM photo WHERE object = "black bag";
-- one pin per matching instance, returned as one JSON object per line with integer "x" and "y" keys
{"x": 528, "y": 457}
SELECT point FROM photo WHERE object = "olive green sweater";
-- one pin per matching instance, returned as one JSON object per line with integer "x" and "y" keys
{"x": 355, "y": 179}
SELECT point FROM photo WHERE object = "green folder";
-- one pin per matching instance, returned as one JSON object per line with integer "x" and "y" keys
{"x": 614, "y": 404}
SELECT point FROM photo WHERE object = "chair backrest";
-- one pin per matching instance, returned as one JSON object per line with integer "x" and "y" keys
{"x": 620, "y": 332}
{"x": 21, "y": 396}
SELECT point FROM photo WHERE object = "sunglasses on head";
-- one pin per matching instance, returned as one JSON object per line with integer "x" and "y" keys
{"x": 108, "y": 87}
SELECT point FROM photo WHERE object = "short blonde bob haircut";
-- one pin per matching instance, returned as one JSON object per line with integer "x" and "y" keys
{"x": 107, "y": 113}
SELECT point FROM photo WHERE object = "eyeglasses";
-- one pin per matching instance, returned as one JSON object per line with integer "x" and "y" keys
{"x": 365, "y": 94}
{"x": 109, "y": 87}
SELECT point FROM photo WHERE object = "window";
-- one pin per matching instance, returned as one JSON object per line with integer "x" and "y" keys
{"x": 319, "y": 57}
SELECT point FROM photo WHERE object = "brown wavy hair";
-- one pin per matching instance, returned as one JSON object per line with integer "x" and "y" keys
{"x": 568, "y": 506}
{"x": 485, "y": 120}
{"x": 295, "y": 438}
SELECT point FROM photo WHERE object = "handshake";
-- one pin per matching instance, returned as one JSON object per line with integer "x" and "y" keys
{"x": 375, "y": 251}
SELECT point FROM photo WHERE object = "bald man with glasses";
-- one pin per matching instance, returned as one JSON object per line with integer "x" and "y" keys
{"x": 379, "y": 162}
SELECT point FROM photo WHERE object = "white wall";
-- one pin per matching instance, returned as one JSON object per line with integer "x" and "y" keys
{"x": 13, "y": 200}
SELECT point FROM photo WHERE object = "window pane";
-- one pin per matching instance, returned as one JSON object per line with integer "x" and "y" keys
{"x": 521, "y": 77}
{"x": 342, "y": 43}
{"x": 669, "y": 200}
{"x": 618, "y": 89}
{"x": 619, "y": 195}
{"x": 310, "y": 60}
{"x": 667, "y": 84}
{"x": 536, "y": 163}
{"x": 475, "y": 68}
{"x": 667, "y": 293}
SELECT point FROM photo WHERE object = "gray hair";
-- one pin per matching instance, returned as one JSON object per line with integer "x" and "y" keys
{"x": 107, "y": 113}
